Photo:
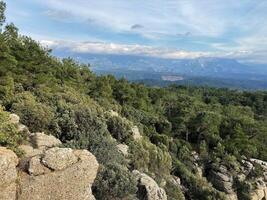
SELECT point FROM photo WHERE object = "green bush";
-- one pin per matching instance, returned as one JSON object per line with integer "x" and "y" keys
{"x": 149, "y": 158}
{"x": 114, "y": 182}
{"x": 9, "y": 135}
{"x": 119, "y": 128}
{"x": 37, "y": 116}
{"x": 173, "y": 191}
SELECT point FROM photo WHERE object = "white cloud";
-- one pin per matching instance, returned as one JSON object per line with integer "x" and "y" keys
{"x": 121, "y": 49}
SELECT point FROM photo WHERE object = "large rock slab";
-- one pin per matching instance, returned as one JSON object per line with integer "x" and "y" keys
{"x": 8, "y": 174}
{"x": 148, "y": 189}
{"x": 72, "y": 182}
{"x": 59, "y": 158}
{"x": 43, "y": 141}
{"x": 222, "y": 180}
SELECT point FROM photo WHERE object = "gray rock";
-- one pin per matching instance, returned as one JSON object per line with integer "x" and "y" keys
{"x": 8, "y": 174}
{"x": 72, "y": 182}
{"x": 29, "y": 151}
{"x": 23, "y": 129}
{"x": 14, "y": 118}
{"x": 59, "y": 158}
{"x": 123, "y": 148}
{"x": 43, "y": 141}
{"x": 148, "y": 189}
{"x": 222, "y": 180}
{"x": 8, "y": 163}
{"x": 136, "y": 133}
{"x": 35, "y": 167}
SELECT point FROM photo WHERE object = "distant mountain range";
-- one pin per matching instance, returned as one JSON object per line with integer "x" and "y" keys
{"x": 138, "y": 68}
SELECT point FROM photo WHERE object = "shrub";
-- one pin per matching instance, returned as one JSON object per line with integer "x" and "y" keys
{"x": 173, "y": 191}
{"x": 149, "y": 158}
{"x": 114, "y": 182}
{"x": 119, "y": 128}
{"x": 9, "y": 135}
{"x": 35, "y": 115}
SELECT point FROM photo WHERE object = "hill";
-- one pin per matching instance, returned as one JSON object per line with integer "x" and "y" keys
{"x": 221, "y": 72}
{"x": 186, "y": 142}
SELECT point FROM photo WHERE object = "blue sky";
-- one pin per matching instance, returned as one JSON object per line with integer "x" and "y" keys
{"x": 164, "y": 28}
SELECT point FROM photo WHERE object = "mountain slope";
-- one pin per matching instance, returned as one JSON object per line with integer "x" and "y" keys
{"x": 194, "y": 143}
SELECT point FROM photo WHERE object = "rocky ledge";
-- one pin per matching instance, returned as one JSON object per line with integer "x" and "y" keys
{"x": 46, "y": 171}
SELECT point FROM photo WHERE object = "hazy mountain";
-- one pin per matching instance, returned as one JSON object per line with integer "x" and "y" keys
{"x": 207, "y": 67}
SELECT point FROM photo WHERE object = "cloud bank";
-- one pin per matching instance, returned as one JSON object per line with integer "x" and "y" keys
{"x": 141, "y": 50}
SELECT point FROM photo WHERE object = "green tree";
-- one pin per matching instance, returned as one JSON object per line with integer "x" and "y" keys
{"x": 2, "y": 13}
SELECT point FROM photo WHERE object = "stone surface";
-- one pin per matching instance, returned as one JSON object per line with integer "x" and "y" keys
{"x": 43, "y": 141}
{"x": 136, "y": 133}
{"x": 222, "y": 180}
{"x": 46, "y": 172}
{"x": 8, "y": 192}
{"x": 29, "y": 151}
{"x": 24, "y": 129}
{"x": 8, "y": 174}
{"x": 14, "y": 118}
{"x": 123, "y": 148}
{"x": 113, "y": 113}
{"x": 59, "y": 158}
{"x": 148, "y": 189}
{"x": 73, "y": 182}
{"x": 8, "y": 163}
{"x": 35, "y": 167}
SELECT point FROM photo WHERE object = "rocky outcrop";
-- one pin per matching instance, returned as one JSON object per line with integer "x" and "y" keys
{"x": 8, "y": 174}
{"x": 260, "y": 193}
{"x": 46, "y": 171}
{"x": 136, "y": 133}
{"x": 223, "y": 181}
{"x": 43, "y": 141}
{"x": 123, "y": 148}
{"x": 59, "y": 173}
{"x": 148, "y": 189}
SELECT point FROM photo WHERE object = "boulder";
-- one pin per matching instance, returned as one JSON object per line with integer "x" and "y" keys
{"x": 222, "y": 180}
{"x": 70, "y": 179}
{"x": 35, "y": 167}
{"x": 136, "y": 133}
{"x": 29, "y": 151}
{"x": 23, "y": 129}
{"x": 123, "y": 148}
{"x": 14, "y": 118}
{"x": 43, "y": 141}
{"x": 113, "y": 113}
{"x": 8, "y": 174}
{"x": 148, "y": 189}
{"x": 59, "y": 158}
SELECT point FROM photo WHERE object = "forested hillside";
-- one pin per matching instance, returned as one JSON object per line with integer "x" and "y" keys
{"x": 66, "y": 99}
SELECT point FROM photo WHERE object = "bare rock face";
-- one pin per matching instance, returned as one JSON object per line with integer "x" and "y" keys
{"x": 59, "y": 158}
{"x": 148, "y": 189}
{"x": 71, "y": 179}
{"x": 136, "y": 133}
{"x": 123, "y": 148}
{"x": 8, "y": 174}
{"x": 43, "y": 141}
{"x": 46, "y": 172}
{"x": 14, "y": 118}
{"x": 222, "y": 180}
{"x": 261, "y": 191}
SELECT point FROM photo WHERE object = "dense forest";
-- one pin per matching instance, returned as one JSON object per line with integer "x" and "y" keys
{"x": 64, "y": 98}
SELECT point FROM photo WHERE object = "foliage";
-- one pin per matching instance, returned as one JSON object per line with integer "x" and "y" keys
{"x": 64, "y": 98}
{"x": 114, "y": 182}
{"x": 9, "y": 135}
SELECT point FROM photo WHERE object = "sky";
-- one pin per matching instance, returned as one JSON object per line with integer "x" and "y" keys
{"x": 162, "y": 28}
